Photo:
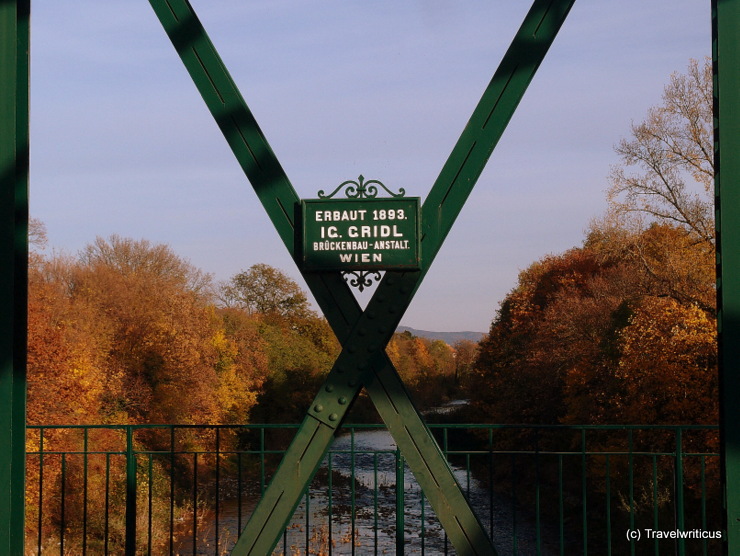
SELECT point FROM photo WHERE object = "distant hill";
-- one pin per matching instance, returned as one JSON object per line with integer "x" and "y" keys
{"x": 448, "y": 337}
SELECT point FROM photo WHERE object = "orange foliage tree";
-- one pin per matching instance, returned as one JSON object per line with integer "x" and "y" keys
{"x": 570, "y": 343}
{"x": 128, "y": 332}
{"x": 622, "y": 329}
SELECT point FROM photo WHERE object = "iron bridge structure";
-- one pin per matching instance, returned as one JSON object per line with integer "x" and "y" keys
{"x": 363, "y": 333}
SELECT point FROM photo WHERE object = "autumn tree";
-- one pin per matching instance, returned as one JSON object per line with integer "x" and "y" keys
{"x": 668, "y": 261}
{"x": 265, "y": 290}
{"x": 465, "y": 352}
{"x": 128, "y": 332}
{"x": 549, "y": 324}
{"x": 667, "y": 165}
{"x": 427, "y": 367}
{"x": 66, "y": 375}
{"x": 557, "y": 350}
{"x": 631, "y": 311}
{"x": 155, "y": 304}
{"x": 299, "y": 345}
{"x": 129, "y": 257}
{"x": 66, "y": 378}
{"x": 668, "y": 364}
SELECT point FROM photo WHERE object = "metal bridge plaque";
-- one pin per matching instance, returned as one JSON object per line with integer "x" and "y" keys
{"x": 367, "y": 234}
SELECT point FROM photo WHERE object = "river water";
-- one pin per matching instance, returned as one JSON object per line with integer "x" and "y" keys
{"x": 356, "y": 486}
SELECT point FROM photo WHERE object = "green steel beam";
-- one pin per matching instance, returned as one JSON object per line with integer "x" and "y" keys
{"x": 364, "y": 335}
{"x": 13, "y": 268}
{"x": 726, "y": 52}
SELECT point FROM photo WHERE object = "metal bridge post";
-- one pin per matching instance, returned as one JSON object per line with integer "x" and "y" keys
{"x": 726, "y": 53}
{"x": 400, "y": 503}
{"x": 131, "y": 472}
{"x": 14, "y": 45}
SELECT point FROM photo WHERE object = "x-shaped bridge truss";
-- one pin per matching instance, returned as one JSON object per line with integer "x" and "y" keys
{"x": 364, "y": 334}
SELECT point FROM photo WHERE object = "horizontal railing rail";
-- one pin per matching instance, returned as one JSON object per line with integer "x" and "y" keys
{"x": 189, "y": 489}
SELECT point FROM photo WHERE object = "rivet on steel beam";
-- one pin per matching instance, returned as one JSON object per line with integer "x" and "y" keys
{"x": 390, "y": 281}
{"x": 371, "y": 315}
{"x": 333, "y": 417}
{"x": 382, "y": 330}
{"x": 380, "y": 298}
{"x": 352, "y": 383}
{"x": 342, "y": 400}
{"x": 318, "y": 408}
{"x": 329, "y": 388}
{"x": 351, "y": 349}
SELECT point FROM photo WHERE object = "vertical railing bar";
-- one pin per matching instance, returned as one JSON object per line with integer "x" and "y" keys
{"x": 218, "y": 484}
{"x": 631, "y": 485}
{"x": 514, "y": 503}
{"x": 490, "y": 481}
{"x": 400, "y": 503}
{"x": 106, "y": 525}
{"x": 330, "y": 484}
{"x": 447, "y": 544}
{"x": 150, "y": 504}
{"x": 352, "y": 487}
{"x": 561, "y": 516}
{"x": 195, "y": 503}
{"x": 680, "y": 518}
{"x": 445, "y": 450}
{"x": 423, "y": 525}
{"x": 608, "y": 472}
{"x": 467, "y": 477}
{"x": 308, "y": 518}
{"x": 239, "y": 494}
{"x": 41, "y": 488}
{"x": 376, "y": 486}
{"x": 130, "y": 493}
{"x": 262, "y": 461}
{"x": 656, "y": 544}
{"x": 584, "y": 490}
{"x": 63, "y": 494}
{"x": 172, "y": 490}
{"x": 285, "y": 531}
{"x": 704, "y": 502}
{"x": 84, "y": 489}
{"x": 538, "y": 519}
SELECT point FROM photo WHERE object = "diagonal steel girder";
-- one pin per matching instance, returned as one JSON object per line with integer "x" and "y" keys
{"x": 364, "y": 334}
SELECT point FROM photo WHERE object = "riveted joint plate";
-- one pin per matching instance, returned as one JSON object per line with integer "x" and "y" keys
{"x": 336, "y": 395}
{"x": 365, "y": 343}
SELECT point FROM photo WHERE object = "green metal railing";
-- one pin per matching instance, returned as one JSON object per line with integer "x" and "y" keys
{"x": 177, "y": 489}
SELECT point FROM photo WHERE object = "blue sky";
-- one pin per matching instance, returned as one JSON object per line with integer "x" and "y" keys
{"x": 122, "y": 143}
